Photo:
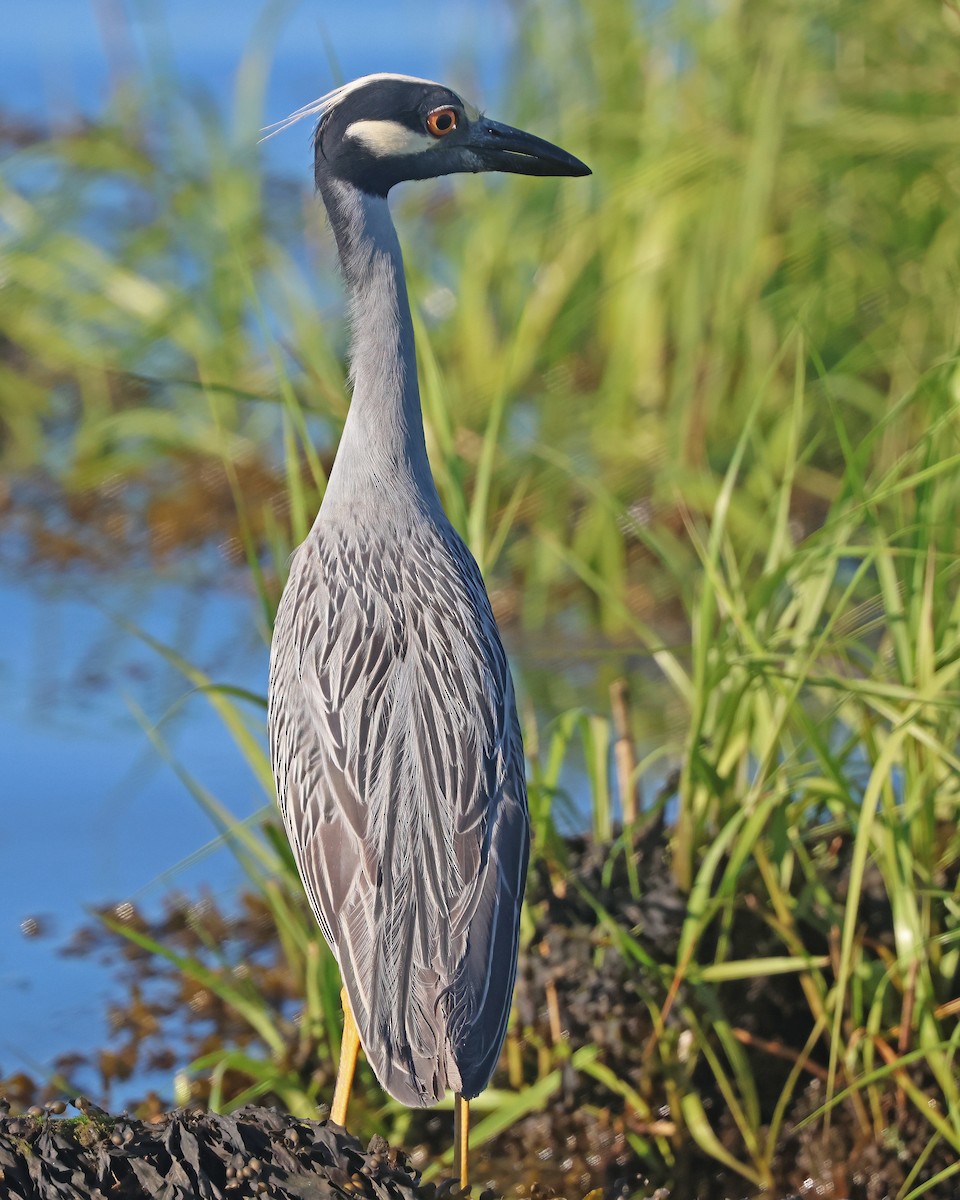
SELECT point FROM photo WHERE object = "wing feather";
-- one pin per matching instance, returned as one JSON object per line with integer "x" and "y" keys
{"x": 399, "y": 768}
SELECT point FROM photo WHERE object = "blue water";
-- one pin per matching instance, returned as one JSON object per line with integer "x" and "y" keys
{"x": 60, "y": 58}
{"x": 89, "y": 811}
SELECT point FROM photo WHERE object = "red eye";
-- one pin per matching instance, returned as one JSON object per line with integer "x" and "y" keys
{"x": 442, "y": 121}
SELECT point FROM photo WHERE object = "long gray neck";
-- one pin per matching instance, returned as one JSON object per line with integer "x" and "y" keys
{"x": 382, "y": 459}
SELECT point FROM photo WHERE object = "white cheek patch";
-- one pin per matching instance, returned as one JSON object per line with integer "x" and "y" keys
{"x": 388, "y": 138}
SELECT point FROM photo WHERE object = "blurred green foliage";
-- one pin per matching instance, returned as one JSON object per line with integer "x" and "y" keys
{"x": 589, "y": 351}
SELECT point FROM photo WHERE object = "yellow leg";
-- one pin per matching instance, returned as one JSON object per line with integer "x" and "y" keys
{"x": 349, "y": 1047}
{"x": 461, "y": 1138}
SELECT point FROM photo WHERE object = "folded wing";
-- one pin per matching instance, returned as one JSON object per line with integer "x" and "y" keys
{"x": 399, "y": 768}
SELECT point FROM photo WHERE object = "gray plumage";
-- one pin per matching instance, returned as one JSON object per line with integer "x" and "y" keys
{"x": 393, "y": 725}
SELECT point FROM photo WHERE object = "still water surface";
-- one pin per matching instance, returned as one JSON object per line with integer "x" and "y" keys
{"x": 91, "y": 813}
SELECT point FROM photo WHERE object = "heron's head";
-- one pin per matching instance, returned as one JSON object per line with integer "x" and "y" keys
{"x": 383, "y": 129}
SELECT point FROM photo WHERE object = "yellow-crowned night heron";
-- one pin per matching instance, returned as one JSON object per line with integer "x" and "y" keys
{"x": 393, "y": 726}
